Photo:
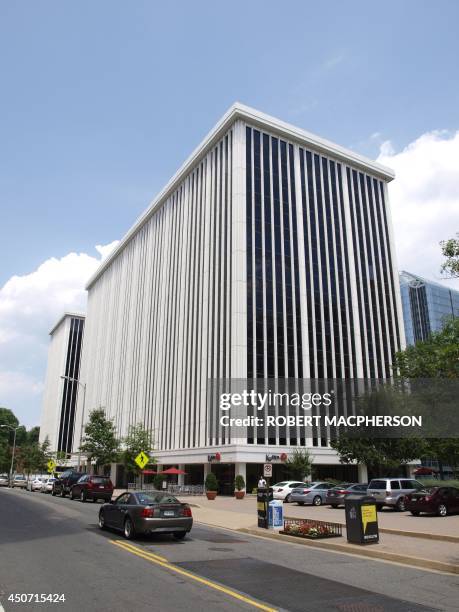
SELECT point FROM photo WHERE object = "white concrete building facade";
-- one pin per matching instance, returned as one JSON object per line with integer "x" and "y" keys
{"x": 61, "y": 386}
{"x": 268, "y": 255}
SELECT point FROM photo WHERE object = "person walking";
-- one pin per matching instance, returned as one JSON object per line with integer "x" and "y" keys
{"x": 262, "y": 483}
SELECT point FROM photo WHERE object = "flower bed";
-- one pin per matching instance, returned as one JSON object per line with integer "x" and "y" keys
{"x": 313, "y": 530}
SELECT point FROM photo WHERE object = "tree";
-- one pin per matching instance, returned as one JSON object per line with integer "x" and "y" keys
{"x": 299, "y": 464}
{"x": 437, "y": 357}
{"x": 137, "y": 440}
{"x": 450, "y": 250}
{"x": 100, "y": 442}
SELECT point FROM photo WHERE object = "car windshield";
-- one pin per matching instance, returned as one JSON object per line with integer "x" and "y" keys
{"x": 19, "y": 478}
{"x": 280, "y": 484}
{"x": 100, "y": 479}
{"x": 159, "y": 498}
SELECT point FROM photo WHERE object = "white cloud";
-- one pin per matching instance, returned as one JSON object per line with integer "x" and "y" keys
{"x": 424, "y": 200}
{"x": 29, "y": 306}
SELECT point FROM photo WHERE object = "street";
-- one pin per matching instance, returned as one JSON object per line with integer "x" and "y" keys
{"x": 53, "y": 546}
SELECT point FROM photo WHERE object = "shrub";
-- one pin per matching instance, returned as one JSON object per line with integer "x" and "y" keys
{"x": 239, "y": 482}
{"x": 158, "y": 481}
{"x": 211, "y": 482}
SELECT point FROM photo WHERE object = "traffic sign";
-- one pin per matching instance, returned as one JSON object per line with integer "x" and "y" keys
{"x": 267, "y": 470}
{"x": 142, "y": 459}
{"x": 51, "y": 465}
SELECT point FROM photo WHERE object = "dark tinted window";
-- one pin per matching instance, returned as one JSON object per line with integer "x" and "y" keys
{"x": 100, "y": 479}
{"x": 158, "y": 498}
{"x": 395, "y": 485}
{"x": 377, "y": 484}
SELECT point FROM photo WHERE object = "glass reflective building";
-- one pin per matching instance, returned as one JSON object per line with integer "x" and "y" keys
{"x": 426, "y": 306}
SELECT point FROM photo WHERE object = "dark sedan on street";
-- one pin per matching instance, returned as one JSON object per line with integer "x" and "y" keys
{"x": 143, "y": 513}
{"x": 434, "y": 500}
{"x": 335, "y": 497}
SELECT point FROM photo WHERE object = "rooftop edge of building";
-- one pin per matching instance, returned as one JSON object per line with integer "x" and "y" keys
{"x": 256, "y": 119}
{"x": 77, "y": 315}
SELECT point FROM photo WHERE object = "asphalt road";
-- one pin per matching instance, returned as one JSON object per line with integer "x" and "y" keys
{"x": 51, "y": 545}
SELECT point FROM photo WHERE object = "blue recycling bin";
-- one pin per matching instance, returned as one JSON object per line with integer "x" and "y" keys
{"x": 276, "y": 514}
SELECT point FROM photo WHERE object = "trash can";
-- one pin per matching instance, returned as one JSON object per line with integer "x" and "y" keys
{"x": 361, "y": 520}
{"x": 264, "y": 496}
{"x": 276, "y": 514}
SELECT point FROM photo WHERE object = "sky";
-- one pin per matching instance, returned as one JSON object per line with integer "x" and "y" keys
{"x": 101, "y": 102}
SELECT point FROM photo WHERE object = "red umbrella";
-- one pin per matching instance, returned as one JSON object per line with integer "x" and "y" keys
{"x": 148, "y": 472}
{"x": 173, "y": 470}
{"x": 424, "y": 470}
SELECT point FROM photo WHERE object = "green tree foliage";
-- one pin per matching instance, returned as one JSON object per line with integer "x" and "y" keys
{"x": 158, "y": 481}
{"x": 137, "y": 440}
{"x": 211, "y": 482}
{"x": 299, "y": 464}
{"x": 100, "y": 443}
{"x": 378, "y": 453}
{"x": 436, "y": 357}
{"x": 450, "y": 250}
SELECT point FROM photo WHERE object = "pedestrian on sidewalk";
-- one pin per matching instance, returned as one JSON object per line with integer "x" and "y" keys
{"x": 262, "y": 483}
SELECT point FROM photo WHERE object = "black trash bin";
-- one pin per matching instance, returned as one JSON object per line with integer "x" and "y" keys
{"x": 361, "y": 520}
{"x": 264, "y": 496}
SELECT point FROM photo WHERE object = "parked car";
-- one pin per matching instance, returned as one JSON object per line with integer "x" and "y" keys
{"x": 314, "y": 493}
{"x": 282, "y": 490}
{"x": 35, "y": 484}
{"x": 92, "y": 487}
{"x": 4, "y": 480}
{"x": 139, "y": 512}
{"x": 337, "y": 495}
{"x": 47, "y": 485}
{"x": 392, "y": 492}
{"x": 434, "y": 500}
{"x": 65, "y": 481}
{"x": 19, "y": 481}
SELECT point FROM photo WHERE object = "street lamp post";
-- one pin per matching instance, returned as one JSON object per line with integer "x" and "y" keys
{"x": 82, "y": 413}
{"x": 14, "y": 448}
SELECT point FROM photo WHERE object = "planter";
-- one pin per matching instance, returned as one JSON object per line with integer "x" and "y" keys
{"x": 239, "y": 494}
{"x": 211, "y": 494}
{"x": 311, "y": 529}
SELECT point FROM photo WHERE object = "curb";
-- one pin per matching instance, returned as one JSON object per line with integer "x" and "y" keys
{"x": 402, "y": 532}
{"x": 362, "y": 551}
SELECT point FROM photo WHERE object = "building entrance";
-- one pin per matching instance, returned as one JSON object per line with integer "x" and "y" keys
{"x": 225, "y": 475}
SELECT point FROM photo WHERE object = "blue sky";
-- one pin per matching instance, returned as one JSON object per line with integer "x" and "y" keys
{"x": 101, "y": 102}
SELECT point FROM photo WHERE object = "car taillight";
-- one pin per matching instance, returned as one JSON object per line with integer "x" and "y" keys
{"x": 148, "y": 513}
{"x": 306, "y": 490}
{"x": 342, "y": 492}
{"x": 279, "y": 490}
{"x": 186, "y": 511}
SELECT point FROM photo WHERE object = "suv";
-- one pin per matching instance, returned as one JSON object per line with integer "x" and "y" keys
{"x": 66, "y": 480}
{"x": 392, "y": 491}
{"x": 91, "y": 486}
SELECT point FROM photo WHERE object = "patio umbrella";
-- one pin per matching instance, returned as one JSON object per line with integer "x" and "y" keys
{"x": 173, "y": 470}
{"x": 148, "y": 472}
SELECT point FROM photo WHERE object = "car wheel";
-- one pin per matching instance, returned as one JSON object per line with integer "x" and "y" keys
{"x": 180, "y": 535}
{"x": 287, "y": 499}
{"x": 317, "y": 501}
{"x": 101, "y": 520}
{"x": 442, "y": 510}
{"x": 83, "y": 496}
{"x": 414, "y": 512}
{"x": 71, "y": 495}
{"x": 401, "y": 504}
{"x": 62, "y": 492}
{"x": 129, "y": 532}
{"x": 53, "y": 492}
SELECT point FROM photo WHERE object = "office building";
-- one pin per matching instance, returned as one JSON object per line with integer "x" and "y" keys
{"x": 426, "y": 306}
{"x": 61, "y": 386}
{"x": 269, "y": 254}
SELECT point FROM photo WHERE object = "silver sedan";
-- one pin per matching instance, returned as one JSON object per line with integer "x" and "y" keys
{"x": 313, "y": 493}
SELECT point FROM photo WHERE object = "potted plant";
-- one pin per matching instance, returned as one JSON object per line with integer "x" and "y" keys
{"x": 211, "y": 486}
{"x": 239, "y": 485}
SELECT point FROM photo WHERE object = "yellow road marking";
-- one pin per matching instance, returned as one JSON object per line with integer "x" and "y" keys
{"x": 141, "y": 550}
{"x": 167, "y": 565}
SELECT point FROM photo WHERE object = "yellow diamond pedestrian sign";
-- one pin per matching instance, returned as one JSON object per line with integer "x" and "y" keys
{"x": 51, "y": 465}
{"x": 142, "y": 459}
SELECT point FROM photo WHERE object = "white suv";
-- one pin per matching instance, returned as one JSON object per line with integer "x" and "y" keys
{"x": 392, "y": 491}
